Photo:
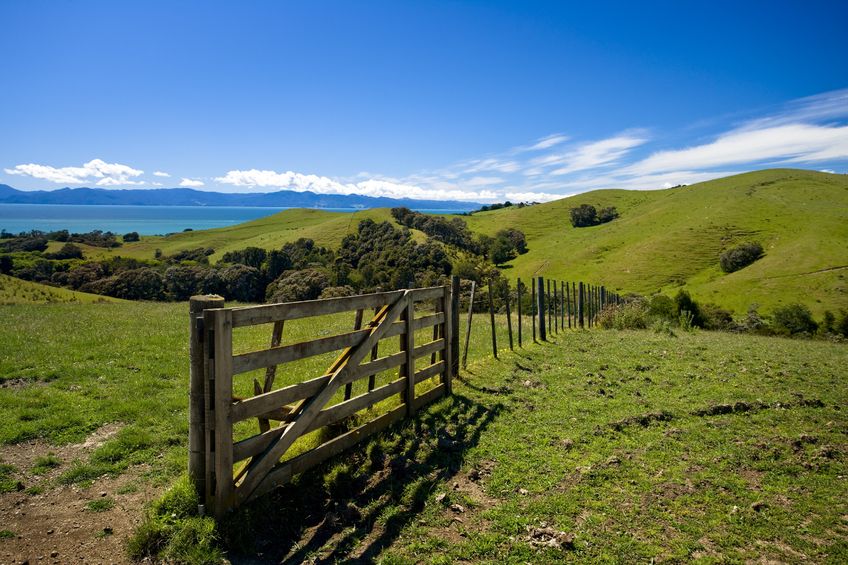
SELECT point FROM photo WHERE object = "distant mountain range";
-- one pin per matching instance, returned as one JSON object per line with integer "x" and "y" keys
{"x": 191, "y": 197}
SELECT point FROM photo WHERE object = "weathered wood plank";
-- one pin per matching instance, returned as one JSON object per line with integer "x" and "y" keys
{"x": 428, "y": 348}
{"x": 246, "y": 362}
{"x": 224, "y": 488}
{"x": 267, "y": 313}
{"x": 429, "y": 320}
{"x": 429, "y": 371}
{"x": 421, "y": 294}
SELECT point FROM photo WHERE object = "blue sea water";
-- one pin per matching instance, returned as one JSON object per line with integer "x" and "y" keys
{"x": 146, "y": 220}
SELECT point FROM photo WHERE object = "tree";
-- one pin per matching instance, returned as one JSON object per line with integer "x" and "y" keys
{"x": 132, "y": 236}
{"x": 242, "y": 283}
{"x": 741, "y": 256}
{"x": 501, "y": 250}
{"x": 68, "y": 251}
{"x": 183, "y": 281}
{"x": 583, "y": 216}
{"x": 686, "y": 303}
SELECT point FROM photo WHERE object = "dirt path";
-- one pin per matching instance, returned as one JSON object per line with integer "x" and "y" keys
{"x": 44, "y": 522}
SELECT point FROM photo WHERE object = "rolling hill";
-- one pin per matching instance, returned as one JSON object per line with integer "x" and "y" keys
{"x": 664, "y": 239}
{"x": 671, "y": 239}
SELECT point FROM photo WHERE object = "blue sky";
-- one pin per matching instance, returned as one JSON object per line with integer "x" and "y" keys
{"x": 478, "y": 101}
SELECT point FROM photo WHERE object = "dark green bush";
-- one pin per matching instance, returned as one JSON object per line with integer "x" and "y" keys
{"x": 741, "y": 256}
{"x": 716, "y": 318}
{"x": 687, "y": 306}
{"x": 794, "y": 319}
{"x": 132, "y": 236}
{"x": 662, "y": 307}
{"x": 293, "y": 286}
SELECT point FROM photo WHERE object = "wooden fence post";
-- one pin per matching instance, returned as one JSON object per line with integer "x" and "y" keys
{"x": 454, "y": 326}
{"x": 541, "y": 308}
{"x": 492, "y": 317}
{"x": 568, "y": 309}
{"x": 448, "y": 334}
{"x": 580, "y": 297}
{"x": 518, "y": 293}
{"x": 555, "y": 307}
{"x": 508, "y": 317}
{"x": 221, "y": 323}
{"x": 533, "y": 307}
{"x": 196, "y": 403}
{"x": 468, "y": 327}
{"x": 548, "y": 298}
{"x": 408, "y": 347}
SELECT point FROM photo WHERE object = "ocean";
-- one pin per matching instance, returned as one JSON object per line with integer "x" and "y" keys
{"x": 146, "y": 220}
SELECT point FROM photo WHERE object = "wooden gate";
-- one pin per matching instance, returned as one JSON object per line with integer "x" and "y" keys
{"x": 230, "y": 473}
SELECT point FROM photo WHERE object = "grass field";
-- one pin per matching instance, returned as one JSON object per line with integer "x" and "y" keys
{"x": 671, "y": 239}
{"x": 616, "y": 446}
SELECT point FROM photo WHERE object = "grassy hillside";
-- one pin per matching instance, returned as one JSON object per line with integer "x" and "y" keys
{"x": 663, "y": 241}
{"x": 670, "y": 239}
{"x": 271, "y": 232}
{"x": 17, "y": 291}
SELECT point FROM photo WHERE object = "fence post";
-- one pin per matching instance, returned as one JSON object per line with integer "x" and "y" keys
{"x": 221, "y": 398}
{"x": 580, "y": 304}
{"x": 447, "y": 334}
{"x": 518, "y": 294}
{"x": 468, "y": 327}
{"x": 492, "y": 316}
{"x": 568, "y": 309}
{"x": 196, "y": 403}
{"x": 408, "y": 347}
{"x": 454, "y": 330}
{"x": 555, "y": 308}
{"x": 541, "y": 308}
{"x": 509, "y": 317}
{"x": 533, "y": 307}
{"x": 548, "y": 299}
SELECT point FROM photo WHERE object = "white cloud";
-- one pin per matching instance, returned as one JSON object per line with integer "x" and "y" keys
{"x": 377, "y": 187}
{"x": 789, "y": 143}
{"x": 96, "y": 170}
{"x": 491, "y": 164}
{"x": 532, "y": 196}
{"x": 160, "y": 174}
{"x": 192, "y": 183}
{"x": 590, "y": 155}
{"x": 831, "y": 171}
{"x": 483, "y": 181}
{"x": 548, "y": 142}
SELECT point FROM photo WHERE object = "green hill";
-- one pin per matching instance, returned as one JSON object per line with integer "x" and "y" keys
{"x": 17, "y": 291}
{"x": 671, "y": 239}
{"x": 271, "y": 232}
{"x": 664, "y": 239}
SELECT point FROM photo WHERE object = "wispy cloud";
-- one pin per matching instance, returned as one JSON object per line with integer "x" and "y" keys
{"x": 192, "y": 183}
{"x": 590, "y": 155}
{"x": 160, "y": 174}
{"x": 95, "y": 171}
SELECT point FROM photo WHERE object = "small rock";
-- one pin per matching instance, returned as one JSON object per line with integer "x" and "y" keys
{"x": 54, "y": 554}
{"x": 567, "y": 443}
{"x": 103, "y": 493}
{"x": 523, "y": 491}
{"x": 440, "y": 497}
{"x": 758, "y": 506}
{"x": 457, "y": 508}
{"x": 50, "y": 531}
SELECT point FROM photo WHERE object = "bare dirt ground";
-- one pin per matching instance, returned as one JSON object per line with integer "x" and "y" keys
{"x": 55, "y": 525}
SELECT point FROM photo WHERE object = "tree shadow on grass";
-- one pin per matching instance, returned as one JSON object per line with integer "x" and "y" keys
{"x": 354, "y": 506}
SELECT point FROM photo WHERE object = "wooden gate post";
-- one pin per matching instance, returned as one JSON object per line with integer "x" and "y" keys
{"x": 468, "y": 327}
{"x": 580, "y": 302}
{"x": 454, "y": 330}
{"x": 540, "y": 295}
{"x": 533, "y": 307}
{"x": 196, "y": 405}
{"x": 508, "y": 316}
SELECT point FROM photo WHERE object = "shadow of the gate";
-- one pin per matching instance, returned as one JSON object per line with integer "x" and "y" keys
{"x": 336, "y": 511}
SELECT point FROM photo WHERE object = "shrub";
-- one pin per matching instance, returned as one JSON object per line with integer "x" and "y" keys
{"x": 132, "y": 236}
{"x": 68, "y": 251}
{"x": 794, "y": 319}
{"x": 841, "y": 327}
{"x": 242, "y": 283}
{"x": 137, "y": 284}
{"x": 632, "y": 315}
{"x": 586, "y": 215}
{"x": 716, "y": 318}
{"x": 6, "y": 264}
{"x": 183, "y": 281}
{"x": 662, "y": 307}
{"x": 686, "y": 303}
{"x": 292, "y": 286}
{"x": 337, "y": 291}
{"x": 741, "y": 256}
